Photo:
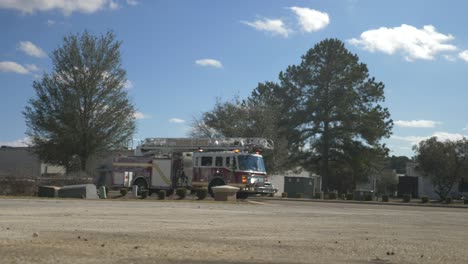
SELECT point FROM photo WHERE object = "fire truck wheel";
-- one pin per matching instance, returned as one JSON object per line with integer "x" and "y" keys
{"x": 242, "y": 195}
{"x": 142, "y": 186}
{"x": 214, "y": 183}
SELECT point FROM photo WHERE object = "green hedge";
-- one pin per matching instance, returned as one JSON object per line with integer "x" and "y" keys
{"x": 332, "y": 195}
{"x": 202, "y": 193}
{"x": 385, "y": 198}
{"x": 424, "y": 199}
{"x": 406, "y": 198}
{"x": 182, "y": 193}
{"x": 162, "y": 195}
{"x": 448, "y": 199}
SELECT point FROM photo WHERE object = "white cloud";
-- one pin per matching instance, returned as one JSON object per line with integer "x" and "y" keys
{"x": 450, "y": 58}
{"x": 209, "y": 62}
{"x": 128, "y": 84}
{"x": 412, "y": 42}
{"x": 24, "y": 142}
{"x": 465, "y": 128}
{"x": 311, "y": 20}
{"x": 32, "y": 50}
{"x": 443, "y": 136}
{"x": 11, "y": 66}
{"x": 31, "y": 67}
{"x": 463, "y": 55}
{"x": 67, "y": 7}
{"x": 176, "y": 120}
{"x": 448, "y": 136}
{"x": 417, "y": 123}
{"x": 140, "y": 115}
{"x": 274, "y": 26}
{"x": 113, "y": 5}
{"x": 50, "y": 22}
{"x": 412, "y": 139}
{"x": 132, "y": 2}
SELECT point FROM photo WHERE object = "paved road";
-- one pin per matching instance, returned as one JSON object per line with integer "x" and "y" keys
{"x": 138, "y": 231}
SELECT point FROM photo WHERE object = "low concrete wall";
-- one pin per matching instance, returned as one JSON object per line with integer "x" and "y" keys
{"x": 225, "y": 193}
{"x": 84, "y": 191}
{"x": 48, "y": 191}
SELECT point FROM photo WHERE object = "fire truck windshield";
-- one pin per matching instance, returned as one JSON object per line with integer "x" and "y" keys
{"x": 251, "y": 163}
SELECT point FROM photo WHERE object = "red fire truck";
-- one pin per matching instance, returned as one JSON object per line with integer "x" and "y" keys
{"x": 170, "y": 163}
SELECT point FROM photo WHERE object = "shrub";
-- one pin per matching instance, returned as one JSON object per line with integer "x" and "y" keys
{"x": 162, "y": 195}
{"x": 424, "y": 199}
{"x": 144, "y": 194}
{"x": 284, "y": 194}
{"x": 384, "y": 198}
{"x": 182, "y": 193}
{"x": 299, "y": 195}
{"x": 349, "y": 196}
{"x": 448, "y": 199}
{"x": 332, "y": 195}
{"x": 123, "y": 192}
{"x": 202, "y": 193}
{"x": 18, "y": 186}
{"x": 367, "y": 197}
{"x": 406, "y": 198}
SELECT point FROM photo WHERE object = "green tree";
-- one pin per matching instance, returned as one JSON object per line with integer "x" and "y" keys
{"x": 263, "y": 114}
{"x": 387, "y": 182}
{"x": 226, "y": 119}
{"x": 337, "y": 106}
{"x": 444, "y": 162}
{"x": 398, "y": 163}
{"x": 81, "y": 108}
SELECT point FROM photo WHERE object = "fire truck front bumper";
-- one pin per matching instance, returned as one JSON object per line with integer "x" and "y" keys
{"x": 267, "y": 188}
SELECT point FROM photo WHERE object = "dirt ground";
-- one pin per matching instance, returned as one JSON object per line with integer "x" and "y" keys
{"x": 149, "y": 231}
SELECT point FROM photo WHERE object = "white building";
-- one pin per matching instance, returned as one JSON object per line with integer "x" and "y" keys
{"x": 424, "y": 184}
{"x": 278, "y": 179}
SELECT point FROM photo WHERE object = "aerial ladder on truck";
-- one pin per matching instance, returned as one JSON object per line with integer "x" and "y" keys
{"x": 170, "y": 163}
{"x": 151, "y": 146}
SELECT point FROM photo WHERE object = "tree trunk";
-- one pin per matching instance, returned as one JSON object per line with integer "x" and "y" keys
{"x": 325, "y": 157}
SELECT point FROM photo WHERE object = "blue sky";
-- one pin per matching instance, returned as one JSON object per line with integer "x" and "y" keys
{"x": 182, "y": 55}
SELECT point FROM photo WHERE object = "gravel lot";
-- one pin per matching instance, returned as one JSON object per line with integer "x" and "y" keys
{"x": 139, "y": 231}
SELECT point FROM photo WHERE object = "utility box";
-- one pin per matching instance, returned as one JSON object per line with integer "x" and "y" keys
{"x": 408, "y": 185}
{"x": 299, "y": 185}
